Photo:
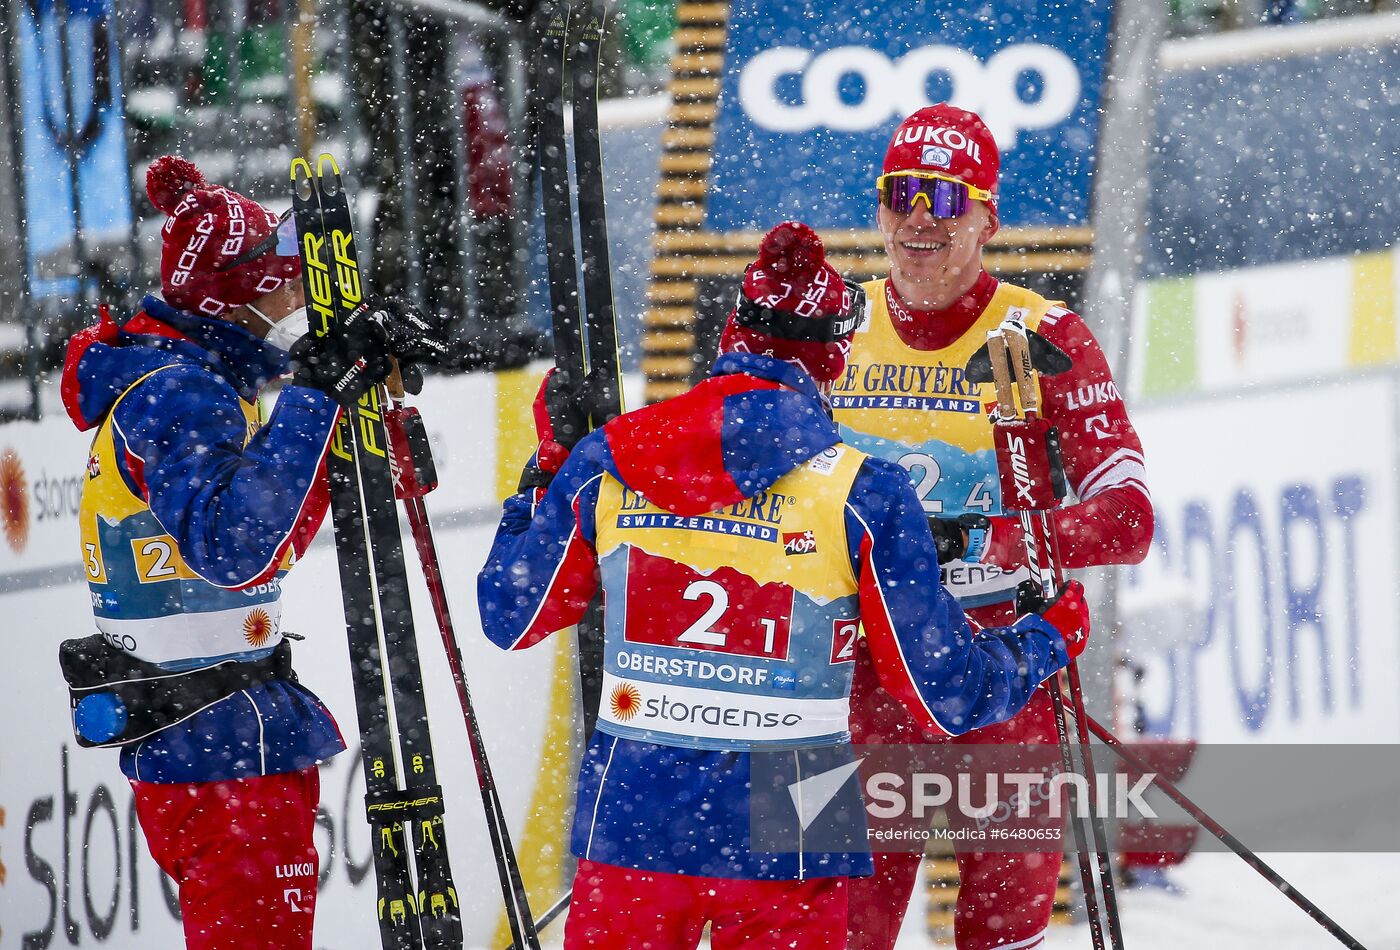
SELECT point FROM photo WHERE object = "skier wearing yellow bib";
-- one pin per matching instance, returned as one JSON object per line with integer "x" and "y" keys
{"x": 740, "y": 548}
{"x": 903, "y": 397}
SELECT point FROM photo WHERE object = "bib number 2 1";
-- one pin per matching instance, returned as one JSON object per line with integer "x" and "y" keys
{"x": 724, "y": 611}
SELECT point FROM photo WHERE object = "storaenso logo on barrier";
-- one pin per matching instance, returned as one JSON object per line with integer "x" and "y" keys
{"x": 895, "y": 87}
{"x": 812, "y": 93}
{"x": 14, "y": 501}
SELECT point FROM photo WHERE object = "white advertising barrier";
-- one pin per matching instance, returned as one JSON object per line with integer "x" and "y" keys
{"x": 1275, "y": 323}
{"x": 74, "y": 870}
{"x": 1266, "y": 610}
{"x": 1263, "y": 324}
{"x": 42, "y": 471}
{"x": 42, "y": 467}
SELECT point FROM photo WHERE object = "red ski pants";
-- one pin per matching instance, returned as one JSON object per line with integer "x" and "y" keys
{"x": 1004, "y": 899}
{"x": 243, "y": 855}
{"x": 617, "y": 908}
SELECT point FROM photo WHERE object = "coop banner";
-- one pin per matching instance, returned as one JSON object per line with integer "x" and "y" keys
{"x": 1264, "y": 611}
{"x": 812, "y": 92}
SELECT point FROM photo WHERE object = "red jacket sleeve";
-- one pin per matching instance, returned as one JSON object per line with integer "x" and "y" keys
{"x": 1111, "y": 519}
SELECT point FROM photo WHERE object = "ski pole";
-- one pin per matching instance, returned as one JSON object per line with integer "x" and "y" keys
{"x": 1230, "y": 841}
{"x": 1002, "y": 376}
{"x": 548, "y": 916}
{"x": 415, "y": 476}
{"x": 1023, "y": 366}
{"x": 1014, "y": 373}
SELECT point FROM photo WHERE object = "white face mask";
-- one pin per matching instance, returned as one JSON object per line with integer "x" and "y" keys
{"x": 283, "y": 333}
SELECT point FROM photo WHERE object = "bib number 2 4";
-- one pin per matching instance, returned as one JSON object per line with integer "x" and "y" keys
{"x": 926, "y": 474}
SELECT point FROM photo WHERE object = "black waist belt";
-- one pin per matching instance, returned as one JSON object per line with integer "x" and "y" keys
{"x": 117, "y": 699}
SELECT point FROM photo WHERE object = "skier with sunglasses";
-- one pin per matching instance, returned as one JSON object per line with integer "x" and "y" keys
{"x": 903, "y": 397}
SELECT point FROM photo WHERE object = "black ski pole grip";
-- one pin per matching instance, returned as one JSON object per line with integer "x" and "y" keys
{"x": 1058, "y": 482}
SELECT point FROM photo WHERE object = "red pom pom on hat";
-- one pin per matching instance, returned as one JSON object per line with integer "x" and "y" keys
{"x": 791, "y": 271}
{"x": 792, "y": 249}
{"x": 169, "y": 179}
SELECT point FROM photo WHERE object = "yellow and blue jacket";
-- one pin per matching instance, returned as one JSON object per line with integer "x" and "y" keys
{"x": 192, "y": 510}
{"x": 741, "y": 549}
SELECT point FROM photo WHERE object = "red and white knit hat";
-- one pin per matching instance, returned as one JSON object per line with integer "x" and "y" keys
{"x": 794, "y": 305}
{"x": 949, "y": 141}
{"x": 204, "y": 264}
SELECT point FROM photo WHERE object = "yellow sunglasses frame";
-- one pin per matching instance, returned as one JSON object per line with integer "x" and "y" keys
{"x": 976, "y": 194}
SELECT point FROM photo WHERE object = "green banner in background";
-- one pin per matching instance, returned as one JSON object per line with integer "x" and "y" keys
{"x": 1168, "y": 337}
{"x": 648, "y": 26}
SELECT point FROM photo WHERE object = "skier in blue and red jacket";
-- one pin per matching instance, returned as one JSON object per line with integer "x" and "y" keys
{"x": 193, "y": 510}
{"x": 741, "y": 548}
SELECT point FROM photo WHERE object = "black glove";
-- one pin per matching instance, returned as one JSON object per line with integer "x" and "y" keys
{"x": 347, "y": 362}
{"x": 1030, "y": 598}
{"x": 954, "y": 537}
{"x": 414, "y": 340}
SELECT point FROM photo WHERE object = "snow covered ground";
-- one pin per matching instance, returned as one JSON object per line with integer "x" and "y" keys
{"x": 1225, "y": 904}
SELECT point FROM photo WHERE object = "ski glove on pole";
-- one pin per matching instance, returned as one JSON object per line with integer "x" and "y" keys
{"x": 414, "y": 340}
{"x": 347, "y": 362}
{"x": 1068, "y": 612}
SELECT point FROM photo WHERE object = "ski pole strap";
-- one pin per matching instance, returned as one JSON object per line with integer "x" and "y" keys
{"x": 811, "y": 328}
{"x": 117, "y": 699}
{"x": 412, "y": 804}
{"x": 1030, "y": 464}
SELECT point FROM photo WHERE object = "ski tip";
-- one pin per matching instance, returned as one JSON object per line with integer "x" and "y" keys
{"x": 329, "y": 181}
{"x": 301, "y": 179}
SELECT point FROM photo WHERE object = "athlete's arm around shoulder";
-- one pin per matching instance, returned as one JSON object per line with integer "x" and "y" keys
{"x": 542, "y": 569}
{"x": 1112, "y": 521}
{"x": 951, "y": 676}
{"x": 232, "y": 502}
